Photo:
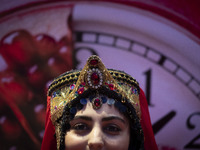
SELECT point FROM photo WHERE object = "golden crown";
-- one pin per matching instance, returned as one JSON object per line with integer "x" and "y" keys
{"x": 93, "y": 76}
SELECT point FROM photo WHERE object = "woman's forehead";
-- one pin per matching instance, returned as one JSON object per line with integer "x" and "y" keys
{"x": 105, "y": 110}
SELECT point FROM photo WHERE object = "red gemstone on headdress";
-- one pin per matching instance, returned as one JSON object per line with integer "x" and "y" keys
{"x": 111, "y": 86}
{"x": 97, "y": 102}
{"x": 83, "y": 83}
{"x": 93, "y": 62}
{"x": 81, "y": 90}
{"x": 95, "y": 78}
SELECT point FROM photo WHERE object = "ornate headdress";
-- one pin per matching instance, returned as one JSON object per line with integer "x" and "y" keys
{"x": 94, "y": 77}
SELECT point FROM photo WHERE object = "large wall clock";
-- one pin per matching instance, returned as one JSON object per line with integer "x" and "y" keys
{"x": 158, "y": 54}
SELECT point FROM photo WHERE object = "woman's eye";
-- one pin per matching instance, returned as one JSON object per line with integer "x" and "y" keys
{"x": 80, "y": 127}
{"x": 112, "y": 129}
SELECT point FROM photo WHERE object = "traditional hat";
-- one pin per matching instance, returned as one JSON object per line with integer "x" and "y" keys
{"x": 74, "y": 86}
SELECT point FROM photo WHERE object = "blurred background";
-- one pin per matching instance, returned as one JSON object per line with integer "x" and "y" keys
{"x": 157, "y": 42}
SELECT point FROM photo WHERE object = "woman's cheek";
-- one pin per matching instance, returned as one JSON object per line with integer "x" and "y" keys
{"x": 74, "y": 142}
{"x": 118, "y": 143}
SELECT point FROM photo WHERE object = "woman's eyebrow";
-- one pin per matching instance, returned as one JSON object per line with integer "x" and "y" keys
{"x": 113, "y": 118}
{"x": 83, "y": 118}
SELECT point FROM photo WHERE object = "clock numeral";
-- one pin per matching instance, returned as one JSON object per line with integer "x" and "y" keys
{"x": 192, "y": 144}
{"x": 148, "y": 74}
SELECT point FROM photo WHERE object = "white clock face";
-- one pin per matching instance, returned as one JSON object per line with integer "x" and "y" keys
{"x": 169, "y": 78}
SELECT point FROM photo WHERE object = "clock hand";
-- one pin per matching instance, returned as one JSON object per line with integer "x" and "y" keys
{"x": 163, "y": 121}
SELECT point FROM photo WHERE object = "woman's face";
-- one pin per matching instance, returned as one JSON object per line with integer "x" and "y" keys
{"x": 102, "y": 129}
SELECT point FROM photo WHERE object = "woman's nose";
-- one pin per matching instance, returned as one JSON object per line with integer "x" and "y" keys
{"x": 96, "y": 141}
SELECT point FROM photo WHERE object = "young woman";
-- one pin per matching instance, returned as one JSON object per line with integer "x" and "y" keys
{"x": 97, "y": 109}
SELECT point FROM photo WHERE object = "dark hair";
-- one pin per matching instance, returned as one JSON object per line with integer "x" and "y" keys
{"x": 136, "y": 132}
